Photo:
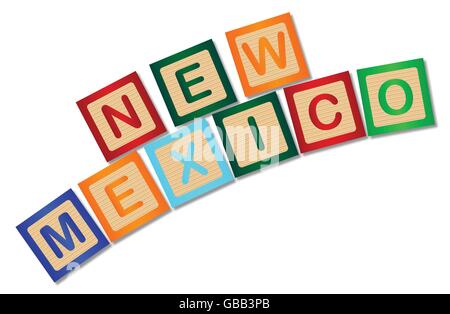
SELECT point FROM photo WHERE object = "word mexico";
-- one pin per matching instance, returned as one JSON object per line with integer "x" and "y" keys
{"x": 191, "y": 162}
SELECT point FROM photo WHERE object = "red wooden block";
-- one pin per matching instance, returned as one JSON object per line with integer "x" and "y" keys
{"x": 121, "y": 116}
{"x": 325, "y": 112}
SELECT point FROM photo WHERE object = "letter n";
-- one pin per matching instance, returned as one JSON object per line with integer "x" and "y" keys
{"x": 112, "y": 114}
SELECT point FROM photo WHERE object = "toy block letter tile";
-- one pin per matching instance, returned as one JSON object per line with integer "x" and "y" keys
{"x": 396, "y": 97}
{"x": 325, "y": 112}
{"x": 193, "y": 83}
{"x": 121, "y": 117}
{"x": 124, "y": 196}
{"x": 268, "y": 55}
{"x": 63, "y": 235}
{"x": 189, "y": 163}
{"x": 255, "y": 134}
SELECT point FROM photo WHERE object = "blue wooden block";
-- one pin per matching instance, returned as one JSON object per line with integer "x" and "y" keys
{"x": 63, "y": 235}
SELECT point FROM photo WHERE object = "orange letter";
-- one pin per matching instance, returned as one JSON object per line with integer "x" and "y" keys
{"x": 116, "y": 199}
{"x": 260, "y": 65}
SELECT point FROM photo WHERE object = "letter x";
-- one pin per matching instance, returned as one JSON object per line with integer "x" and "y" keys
{"x": 189, "y": 163}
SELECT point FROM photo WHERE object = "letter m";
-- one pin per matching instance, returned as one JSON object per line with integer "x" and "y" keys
{"x": 68, "y": 227}
{"x": 131, "y": 119}
{"x": 264, "y": 45}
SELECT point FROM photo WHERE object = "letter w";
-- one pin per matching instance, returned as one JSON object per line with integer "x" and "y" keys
{"x": 67, "y": 225}
{"x": 132, "y": 119}
{"x": 260, "y": 63}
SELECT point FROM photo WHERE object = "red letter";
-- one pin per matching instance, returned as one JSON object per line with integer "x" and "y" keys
{"x": 313, "y": 113}
{"x": 132, "y": 119}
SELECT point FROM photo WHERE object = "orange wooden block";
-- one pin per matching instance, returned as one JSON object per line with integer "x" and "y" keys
{"x": 124, "y": 196}
{"x": 268, "y": 55}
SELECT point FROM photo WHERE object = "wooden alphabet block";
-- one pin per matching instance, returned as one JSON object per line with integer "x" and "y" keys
{"x": 325, "y": 112}
{"x": 255, "y": 134}
{"x": 268, "y": 55}
{"x": 396, "y": 97}
{"x": 193, "y": 83}
{"x": 121, "y": 117}
{"x": 63, "y": 236}
{"x": 189, "y": 163}
{"x": 124, "y": 196}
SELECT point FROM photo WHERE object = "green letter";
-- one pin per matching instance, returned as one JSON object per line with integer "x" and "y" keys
{"x": 408, "y": 93}
{"x": 185, "y": 85}
{"x": 256, "y": 134}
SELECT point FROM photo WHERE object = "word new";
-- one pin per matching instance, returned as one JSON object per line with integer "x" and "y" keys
{"x": 189, "y": 163}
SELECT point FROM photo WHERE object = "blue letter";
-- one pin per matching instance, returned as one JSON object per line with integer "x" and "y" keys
{"x": 67, "y": 224}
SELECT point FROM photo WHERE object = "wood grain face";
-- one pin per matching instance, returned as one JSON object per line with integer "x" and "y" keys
{"x": 52, "y": 220}
{"x": 211, "y": 82}
{"x": 242, "y": 137}
{"x": 129, "y": 133}
{"x": 141, "y": 194}
{"x": 326, "y": 112}
{"x": 273, "y": 71}
{"x": 173, "y": 169}
{"x": 395, "y": 97}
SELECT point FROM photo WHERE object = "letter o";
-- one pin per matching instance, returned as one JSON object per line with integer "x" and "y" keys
{"x": 408, "y": 93}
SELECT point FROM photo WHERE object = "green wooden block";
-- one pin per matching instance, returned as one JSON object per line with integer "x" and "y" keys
{"x": 396, "y": 97}
{"x": 255, "y": 134}
{"x": 193, "y": 83}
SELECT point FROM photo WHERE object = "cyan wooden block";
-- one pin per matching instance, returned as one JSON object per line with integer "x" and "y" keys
{"x": 189, "y": 163}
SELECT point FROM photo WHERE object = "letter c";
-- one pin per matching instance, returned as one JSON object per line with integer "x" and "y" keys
{"x": 313, "y": 112}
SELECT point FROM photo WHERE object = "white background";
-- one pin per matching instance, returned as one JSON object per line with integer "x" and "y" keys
{"x": 370, "y": 216}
